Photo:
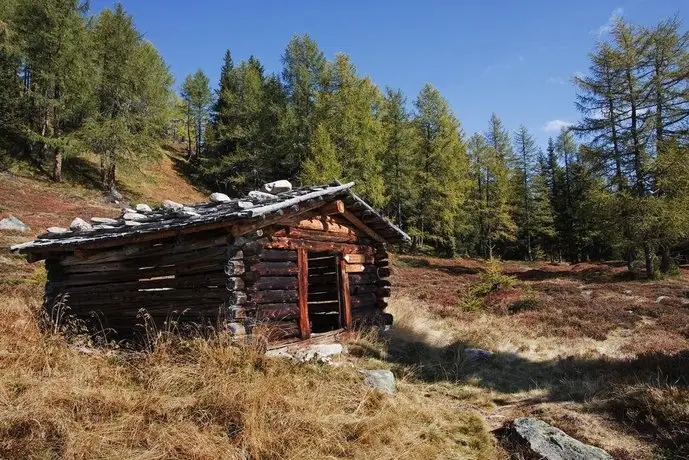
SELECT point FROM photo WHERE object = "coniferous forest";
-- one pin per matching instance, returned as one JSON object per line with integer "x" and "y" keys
{"x": 613, "y": 186}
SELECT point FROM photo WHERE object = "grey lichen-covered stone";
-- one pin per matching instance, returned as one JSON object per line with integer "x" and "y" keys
{"x": 279, "y": 186}
{"x": 80, "y": 225}
{"x": 13, "y": 224}
{"x": 132, "y": 223}
{"x": 219, "y": 198}
{"x": 143, "y": 207}
{"x": 244, "y": 204}
{"x": 104, "y": 220}
{"x": 323, "y": 353}
{"x": 550, "y": 443}
{"x": 57, "y": 230}
{"x": 134, "y": 216}
{"x": 662, "y": 298}
{"x": 261, "y": 196}
{"x": 381, "y": 379}
{"x": 172, "y": 205}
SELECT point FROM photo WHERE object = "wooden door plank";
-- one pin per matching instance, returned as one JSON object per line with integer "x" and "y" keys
{"x": 303, "y": 275}
{"x": 346, "y": 301}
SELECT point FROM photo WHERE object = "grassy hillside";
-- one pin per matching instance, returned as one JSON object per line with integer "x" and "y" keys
{"x": 581, "y": 346}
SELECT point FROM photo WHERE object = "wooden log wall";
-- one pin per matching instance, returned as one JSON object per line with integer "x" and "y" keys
{"x": 173, "y": 281}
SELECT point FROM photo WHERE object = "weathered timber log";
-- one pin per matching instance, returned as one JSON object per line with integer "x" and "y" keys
{"x": 274, "y": 268}
{"x": 234, "y": 267}
{"x": 212, "y": 253}
{"x": 322, "y": 236}
{"x": 323, "y": 307}
{"x": 358, "y": 259}
{"x": 148, "y": 249}
{"x": 362, "y": 226}
{"x": 273, "y": 296}
{"x": 151, "y": 296}
{"x": 322, "y": 261}
{"x": 382, "y": 262}
{"x": 346, "y": 299}
{"x": 322, "y": 295}
{"x": 182, "y": 282}
{"x": 302, "y": 294}
{"x": 234, "y": 283}
{"x": 324, "y": 224}
{"x": 334, "y": 207}
{"x": 359, "y": 289}
{"x": 279, "y": 311}
{"x": 363, "y": 299}
{"x": 320, "y": 246}
{"x": 353, "y": 268}
{"x": 278, "y": 255}
{"x": 237, "y": 298}
{"x": 274, "y": 282}
{"x": 363, "y": 278}
{"x": 383, "y": 283}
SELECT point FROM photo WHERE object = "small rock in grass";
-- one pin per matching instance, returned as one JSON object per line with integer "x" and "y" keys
{"x": 219, "y": 198}
{"x": 627, "y": 292}
{"x": 279, "y": 186}
{"x": 80, "y": 225}
{"x": 171, "y": 205}
{"x": 380, "y": 379}
{"x": 662, "y": 298}
{"x": 13, "y": 224}
{"x": 143, "y": 207}
{"x": 547, "y": 442}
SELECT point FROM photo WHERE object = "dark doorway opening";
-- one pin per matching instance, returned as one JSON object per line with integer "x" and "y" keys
{"x": 324, "y": 292}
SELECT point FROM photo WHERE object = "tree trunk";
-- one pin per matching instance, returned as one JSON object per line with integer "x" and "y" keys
{"x": 665, "y": 259}
{"x": 57, "y": 165}
{"x": 648, "y": 257}
{"x": 189, "y": 151}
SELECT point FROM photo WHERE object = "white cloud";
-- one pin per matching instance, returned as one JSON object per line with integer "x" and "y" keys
{"x": 555, "y": 81}
{"x": 607, "y": 27}
{"x": 556, "y": 125}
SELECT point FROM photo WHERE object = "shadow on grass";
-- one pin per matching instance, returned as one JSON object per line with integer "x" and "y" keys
{"x": 649, "y": 394}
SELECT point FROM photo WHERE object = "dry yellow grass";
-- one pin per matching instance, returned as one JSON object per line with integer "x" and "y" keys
{"x": 207, "y": 399}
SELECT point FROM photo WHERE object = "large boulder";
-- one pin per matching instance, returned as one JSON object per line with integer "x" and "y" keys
{"x": 13, "y": 224}
{"x": 541, "y": 440}
{"x": 380, "y": 379}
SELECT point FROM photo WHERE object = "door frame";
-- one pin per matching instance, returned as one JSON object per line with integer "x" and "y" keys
{"x": 303, "y": 292}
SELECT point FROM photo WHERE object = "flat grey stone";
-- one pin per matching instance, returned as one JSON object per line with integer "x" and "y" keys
{"x": 279, "y": 186}
{"x": 134, "y": 216}
{"x": 132, "y": 223}
{"x": 317, "y": 352}
{"x": 551, "y": 443}
{"x": 219, "y": 198}
{"x": 57, "y": 230}
{"x": 172, "y": 205}
{"x": 381, "y": 379}
{"x": 261, "y": 196}
{"x": 13, "y": 224}
{"x": 104, "y": 220}
{"x": 143, "y": 207}
{"x": 244, "y": 204}
{"x": 80, "y": 225}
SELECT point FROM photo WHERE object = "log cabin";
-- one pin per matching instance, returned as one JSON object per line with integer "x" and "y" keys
{"x": 286, "y": 264}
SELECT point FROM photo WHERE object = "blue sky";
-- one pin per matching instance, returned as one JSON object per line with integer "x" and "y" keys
{"x": 514, "y": 58}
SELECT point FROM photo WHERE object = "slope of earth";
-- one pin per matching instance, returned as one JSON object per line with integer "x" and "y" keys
{"x": 583, "y": 347}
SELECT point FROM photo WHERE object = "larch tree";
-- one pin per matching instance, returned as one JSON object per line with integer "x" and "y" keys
{"x": 525, "y": 160}
{"x": 196, "y": 93}
{"x": 398, "y": 154}
{"x": 303, "y": 74}
{"x": 441, "y": 171}
{"x": 53, "y": 42}
{"x": 133, "y": 94}
{"x": 322, "y": 166}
